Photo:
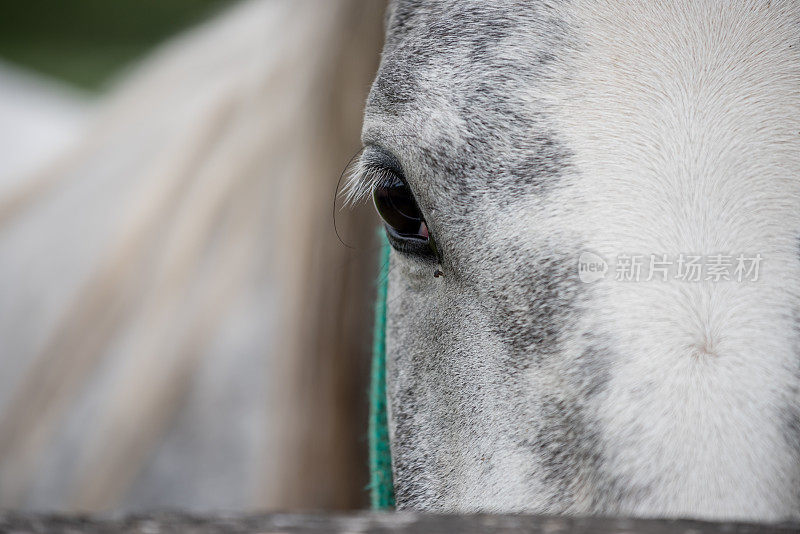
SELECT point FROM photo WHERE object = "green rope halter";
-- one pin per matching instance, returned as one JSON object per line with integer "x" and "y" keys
{"x": 380, "y": 456}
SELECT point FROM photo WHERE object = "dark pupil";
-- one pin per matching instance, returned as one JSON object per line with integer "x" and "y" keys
{"x": 396, "y": 206}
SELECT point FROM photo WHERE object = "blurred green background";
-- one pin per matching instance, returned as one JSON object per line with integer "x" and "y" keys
{"x": 86, "y": 42}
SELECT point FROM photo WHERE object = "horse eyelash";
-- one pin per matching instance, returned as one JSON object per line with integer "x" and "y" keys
{"x": 362, "y": 180}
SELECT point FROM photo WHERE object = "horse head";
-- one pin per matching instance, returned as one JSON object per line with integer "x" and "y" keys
{"x": 594, "y": 296}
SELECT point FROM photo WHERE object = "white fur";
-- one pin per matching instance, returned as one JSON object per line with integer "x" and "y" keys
{"x": 685, "y": 119}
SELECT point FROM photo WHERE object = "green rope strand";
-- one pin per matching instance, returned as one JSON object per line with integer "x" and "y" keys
{"x": 380, "y": 456}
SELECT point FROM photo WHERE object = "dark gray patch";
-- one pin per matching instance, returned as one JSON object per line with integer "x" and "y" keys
{"x": 534, "y": 328}
{"x": 568, "y": 447}
{"x": 592, "y": 369}
{"x": 536, "y": 324}
{"x": 570, "y": 450}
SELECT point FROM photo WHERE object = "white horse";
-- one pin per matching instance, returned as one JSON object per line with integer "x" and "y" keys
{"x": 659, "y": 143}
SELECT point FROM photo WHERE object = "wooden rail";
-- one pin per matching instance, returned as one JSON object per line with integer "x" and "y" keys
{"x": 169, "y": 523}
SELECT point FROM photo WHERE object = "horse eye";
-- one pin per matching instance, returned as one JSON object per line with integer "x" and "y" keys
{"x": 405, "y": 226}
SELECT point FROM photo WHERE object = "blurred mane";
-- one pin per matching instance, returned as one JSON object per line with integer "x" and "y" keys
{"x": 181, "y": 326}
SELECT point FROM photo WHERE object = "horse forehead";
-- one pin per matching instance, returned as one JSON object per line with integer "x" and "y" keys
{"x": 456, "y": 23}
{"x": 460, "y": 93}
{"x": 462, "y": 51}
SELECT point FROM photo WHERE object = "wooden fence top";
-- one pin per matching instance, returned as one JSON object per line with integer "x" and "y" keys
{"x": 410, "y": 523}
